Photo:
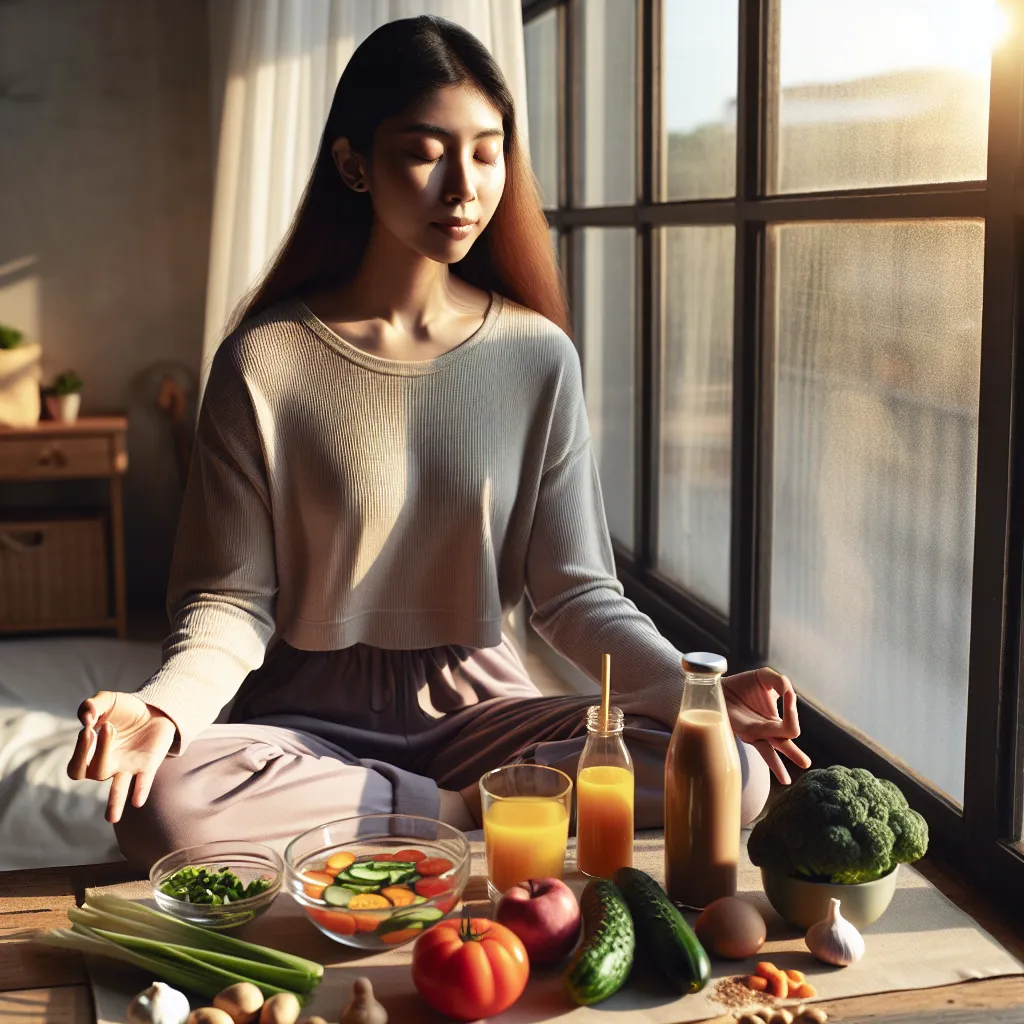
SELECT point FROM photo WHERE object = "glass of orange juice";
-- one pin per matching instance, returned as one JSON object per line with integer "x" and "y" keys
{"x": 526, "y": 811}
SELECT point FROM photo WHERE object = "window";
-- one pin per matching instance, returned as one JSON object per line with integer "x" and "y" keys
{"x": 793, "y": 245}
{"x": 541, "y": 41}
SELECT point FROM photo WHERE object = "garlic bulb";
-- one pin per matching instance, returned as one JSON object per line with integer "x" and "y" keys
{"x": 835, "y": 941}
{"x": 158, "y": 1004}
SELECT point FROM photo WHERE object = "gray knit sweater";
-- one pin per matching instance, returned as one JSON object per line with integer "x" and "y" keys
{"x": 339, "y": 498}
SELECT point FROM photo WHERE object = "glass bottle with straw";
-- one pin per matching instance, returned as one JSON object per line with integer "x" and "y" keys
{"x": 604, "y": 789}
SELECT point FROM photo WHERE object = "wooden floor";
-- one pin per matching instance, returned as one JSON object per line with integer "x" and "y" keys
{"x": 38, "y": 985}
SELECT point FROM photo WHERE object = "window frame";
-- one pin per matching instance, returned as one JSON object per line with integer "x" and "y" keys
{"x": 978, "y": 839}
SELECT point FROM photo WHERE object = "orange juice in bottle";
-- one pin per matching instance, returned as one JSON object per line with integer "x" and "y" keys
{"x": 604, "y": 798}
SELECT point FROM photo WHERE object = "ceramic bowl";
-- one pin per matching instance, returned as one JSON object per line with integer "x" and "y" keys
{"x": 803, "y": 903}
{"x": 247, "y": 860}
{"x": 319, "y": 866}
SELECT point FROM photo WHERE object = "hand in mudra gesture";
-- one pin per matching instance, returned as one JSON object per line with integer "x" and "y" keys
{"x": 122, "y": 738}
{"x": 752, "y": 699}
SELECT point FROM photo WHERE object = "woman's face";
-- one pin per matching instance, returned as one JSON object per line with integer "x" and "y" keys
{"x": 437, "y": 172}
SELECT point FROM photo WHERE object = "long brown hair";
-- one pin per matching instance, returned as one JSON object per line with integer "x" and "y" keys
{"x": 394, "y": 67}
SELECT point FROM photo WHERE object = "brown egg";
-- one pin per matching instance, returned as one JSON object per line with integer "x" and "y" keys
{"x": 731, "y": 928}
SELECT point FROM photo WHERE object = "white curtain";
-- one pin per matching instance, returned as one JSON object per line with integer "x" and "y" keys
{"x": 274, "y": 67}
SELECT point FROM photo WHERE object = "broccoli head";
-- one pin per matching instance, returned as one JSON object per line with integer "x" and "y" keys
{"x": 838, "y": 825}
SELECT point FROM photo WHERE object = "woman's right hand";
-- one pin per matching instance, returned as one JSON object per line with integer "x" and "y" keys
{"x": 122, "y": 738}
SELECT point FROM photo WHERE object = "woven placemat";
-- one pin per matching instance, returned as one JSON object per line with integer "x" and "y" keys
{"x": 922, "y": 941}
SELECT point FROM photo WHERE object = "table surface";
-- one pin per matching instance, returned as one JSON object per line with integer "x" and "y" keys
{"x": 38, "y": 984}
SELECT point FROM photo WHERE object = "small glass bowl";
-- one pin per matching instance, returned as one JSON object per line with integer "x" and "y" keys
{"x": 366, "y": 836}
{"x": 247, "y": 860}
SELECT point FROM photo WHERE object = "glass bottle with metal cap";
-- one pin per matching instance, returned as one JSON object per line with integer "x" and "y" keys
{"x": 703, "y": 787}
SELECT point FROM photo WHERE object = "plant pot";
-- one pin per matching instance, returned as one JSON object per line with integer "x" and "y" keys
{"x": 20, "y": 373}
{"x": 64, "y": 408}
{"x": 803, "y": 903}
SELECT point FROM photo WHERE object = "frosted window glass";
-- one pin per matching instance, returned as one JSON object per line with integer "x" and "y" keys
{"x": 605, "y": 320}
{"x": 876, "y": 428}
{"x": 541, "y": 46}
{"x": 699, "y": 82}
{"x": 606, "y": 86}
{"x": 879, "y": 92}
{"x": 695, "y": 469}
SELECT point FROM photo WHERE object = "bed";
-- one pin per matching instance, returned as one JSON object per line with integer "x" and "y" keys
{"x": 46, "y": 818}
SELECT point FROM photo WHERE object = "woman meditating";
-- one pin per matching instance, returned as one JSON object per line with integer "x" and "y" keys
{"x": 392, "y": 449}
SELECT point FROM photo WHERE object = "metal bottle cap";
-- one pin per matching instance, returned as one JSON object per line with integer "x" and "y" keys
{"x": 701, "y": 663}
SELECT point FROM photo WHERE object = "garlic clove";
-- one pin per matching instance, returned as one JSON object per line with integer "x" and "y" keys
{"x": 159, "y": 1004}
{"x": 835, "y": 941}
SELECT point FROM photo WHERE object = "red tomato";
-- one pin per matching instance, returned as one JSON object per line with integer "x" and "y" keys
{"x": 434, "y": 866}
{"x": 384, "y": 856}
{"x": 430, "y": 887}
{"x": 416, "y": 855}
{"x": 470, "y": 968}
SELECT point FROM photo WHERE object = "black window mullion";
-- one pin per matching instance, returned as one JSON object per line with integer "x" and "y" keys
{"x": 989, "y": 786}
{"x": 749, "y": 548}
{"x": 649, "y": 267}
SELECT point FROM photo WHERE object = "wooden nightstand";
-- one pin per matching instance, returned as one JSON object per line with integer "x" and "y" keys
{"x": 91, "y": 448}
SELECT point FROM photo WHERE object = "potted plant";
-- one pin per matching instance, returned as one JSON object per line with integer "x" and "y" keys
{"x": 19, "y": 379}
{"x": 836, "y": 833}
{"x": 64, "y": 397}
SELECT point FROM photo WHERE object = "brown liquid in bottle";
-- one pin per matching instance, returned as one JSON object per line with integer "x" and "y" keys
{"x": 703, "y": 786}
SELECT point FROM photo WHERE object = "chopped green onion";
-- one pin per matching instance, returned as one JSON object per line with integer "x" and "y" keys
{"x": 195, "y": 884}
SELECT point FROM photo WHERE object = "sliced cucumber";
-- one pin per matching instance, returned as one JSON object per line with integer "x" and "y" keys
{"x": 423, "y": 914}
{"x": 401, "y": 877}
{"x": 336, "y": 896}
{"x": 391, "y": 925}
{"x": 392, "y": 865}
{"x": 362, "y": 873}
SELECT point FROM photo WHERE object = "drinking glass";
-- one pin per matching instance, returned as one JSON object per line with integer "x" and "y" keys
{"x": 526, "y": 809}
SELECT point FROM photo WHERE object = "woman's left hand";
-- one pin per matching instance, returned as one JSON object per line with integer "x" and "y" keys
{"x": 753, "y": 702}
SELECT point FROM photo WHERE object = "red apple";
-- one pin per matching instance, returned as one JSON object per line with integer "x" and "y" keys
{"x": 545, "y": 915}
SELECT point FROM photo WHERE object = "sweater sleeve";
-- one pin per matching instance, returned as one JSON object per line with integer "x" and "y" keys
{"x": 580, "y": 607}
{"x": 223, "y": 581}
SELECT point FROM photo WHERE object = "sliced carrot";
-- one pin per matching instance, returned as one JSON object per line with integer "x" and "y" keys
{"x": 315, "y": 883}
{"x": 400, "y": 895}
{"x": 757, "y": 983}
{"x": 341, "y": 860}
{"x": 402, "y": 935}
{"x": 779, "y": 986}
{"x": 805, "y": 990}
{"x": 333, "y": 920}
{"x": 797, "y": 976}
{"x": 367, "y": 922}
{"x": 368, "y": 901}
{"x": 413, "y": 855}
{"x": 766, "y": 969}
{"x": 434, "y": 866}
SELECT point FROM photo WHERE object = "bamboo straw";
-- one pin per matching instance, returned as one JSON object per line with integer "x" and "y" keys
{"x": 606, "y": 689}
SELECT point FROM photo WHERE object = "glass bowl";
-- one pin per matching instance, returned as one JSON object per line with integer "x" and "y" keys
{"x": 359, "y": 879}
{"x": 248, "y": 861}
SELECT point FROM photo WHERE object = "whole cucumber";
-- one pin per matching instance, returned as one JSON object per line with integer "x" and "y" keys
{"x": 662, "y": 932}
{"x": 601, "y": 965}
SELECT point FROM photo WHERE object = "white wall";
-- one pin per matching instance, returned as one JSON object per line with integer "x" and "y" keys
{"x": 105, "y": 186}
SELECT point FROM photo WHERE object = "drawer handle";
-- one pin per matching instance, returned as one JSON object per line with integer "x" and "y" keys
{"x": 31, "y": 539}
{"x": 52, "y": 457}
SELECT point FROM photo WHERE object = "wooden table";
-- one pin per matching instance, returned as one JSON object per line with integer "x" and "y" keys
{"x": 90, "y": 448}
{"x": 44, "y": 984}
